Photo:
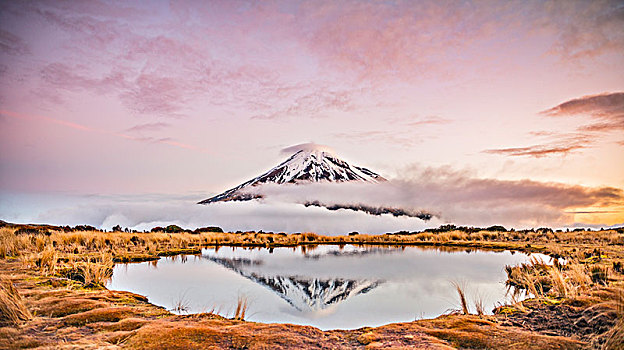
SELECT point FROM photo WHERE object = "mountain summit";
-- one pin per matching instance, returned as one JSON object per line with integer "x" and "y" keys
{"x": 309, "y": 164}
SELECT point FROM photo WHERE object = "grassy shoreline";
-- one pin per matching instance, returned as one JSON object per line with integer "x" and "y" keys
{"x": 68, "y": 270}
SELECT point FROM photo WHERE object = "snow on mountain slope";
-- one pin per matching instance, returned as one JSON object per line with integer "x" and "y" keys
{"x": 307, "y": 165}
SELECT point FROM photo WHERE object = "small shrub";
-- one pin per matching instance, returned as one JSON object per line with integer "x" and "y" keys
{"x": 32, "y": 231}
{"x": 617, "y": 266}
{"x": 209, "y": 229}
{"x": 173, "y": 229}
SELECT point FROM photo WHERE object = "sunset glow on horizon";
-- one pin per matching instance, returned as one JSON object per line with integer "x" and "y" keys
{"x": 499, "y": 101}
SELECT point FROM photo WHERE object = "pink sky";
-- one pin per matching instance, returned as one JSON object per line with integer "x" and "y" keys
{"x": 199, "y": 96}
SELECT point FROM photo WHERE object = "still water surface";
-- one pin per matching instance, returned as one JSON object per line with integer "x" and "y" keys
{"x": 327, "y": 287}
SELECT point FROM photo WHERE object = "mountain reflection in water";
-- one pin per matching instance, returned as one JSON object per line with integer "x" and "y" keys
{"x": 304, "y": 293}
{"x": 326, "y": 286}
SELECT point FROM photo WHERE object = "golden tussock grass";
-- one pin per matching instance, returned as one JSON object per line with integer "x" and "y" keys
{"x": 241, "y": 308}
{"x": 12, "y": 308}
{"x": 460, "y": 288}
{"x": 542, "y": 280}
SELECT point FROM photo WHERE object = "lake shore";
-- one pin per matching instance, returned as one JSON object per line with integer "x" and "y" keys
{"x": 59, "y": 299}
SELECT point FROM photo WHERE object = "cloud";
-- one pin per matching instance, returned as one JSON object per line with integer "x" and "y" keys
{"x": 537, "y": 151}
{"x": 322, "y": 57}
{"x": 543, "y": 133}
{"x": 455, "y": 196}
{"x": 310, "y": 146}
{"x": 62, "y": 76}
{"x": 144, "y": 212}
{"x": 604, "y": 105}
{"x": 607, "y": 109}
{"x": 12, "y": 44}
{"x": 585, "y": 30}
{"x": 145, "y": 94}
{"x": 85, "y": 128}
{"x": 312, "y": 104}
{"x": 373, "y": 210}
{"x": 408, "y": 132}
{"x": 148, "y": 127}
{"x": 155, "y": 94}
{"x": 434, "y": 120}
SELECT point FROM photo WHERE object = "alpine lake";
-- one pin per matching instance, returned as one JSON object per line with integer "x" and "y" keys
{"x": 326, "y": 286}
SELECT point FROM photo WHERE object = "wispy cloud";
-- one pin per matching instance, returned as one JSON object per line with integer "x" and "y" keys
{"x": 310, "y": 146}
{"x": 312, "y": 105}
{"x": 585, "y": 30}
{"x": 148, "y": 127}
{"x": 606, "y": 109}
{"x": 62, "y": 76}
{"x": 602, "y": 106}
{"x": 434, "y": 120}
{"x": 407, "y": 132}
{"x": 543, "y": 133}
{"x": 536, "y": 151}
{"x": 12, "y": 44}
{"x": 76, "y": 126}
{"x": 562, "y": 145}
{"x": 217, "y": 52}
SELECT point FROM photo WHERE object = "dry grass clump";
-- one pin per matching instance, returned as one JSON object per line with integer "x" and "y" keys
{"x": 241, "y": 308}
{"x": 460, "y": 288}
{"x": 47, "y": 260}
{"x": 11, "y": 245}
{"x": 479, "y": 305}
{"x": 532, "y": 277}
{"x": 181, "y": 305}
{"x": 561, "y": 281}
{"x": 615, "y": 337}
{"x": 12, "y": 309}
{"x": 478, "y": 301}
{"x": 558, "y": 282}
{"x": 94, "y": 272}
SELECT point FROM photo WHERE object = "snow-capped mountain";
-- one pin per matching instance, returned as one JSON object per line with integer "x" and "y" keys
{"x": 306, "y": 165}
